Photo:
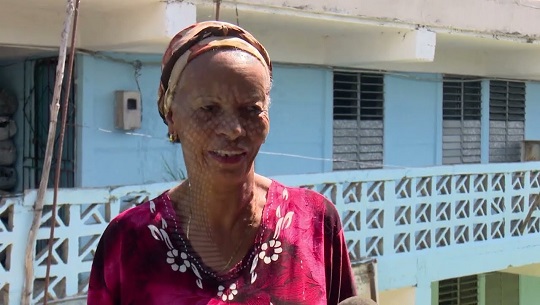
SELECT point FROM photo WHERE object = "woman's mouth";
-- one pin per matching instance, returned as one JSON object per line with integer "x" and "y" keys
{"x": 228, "y": 156}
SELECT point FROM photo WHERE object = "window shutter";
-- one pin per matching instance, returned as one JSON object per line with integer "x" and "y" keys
{"x": 358, "y": 120}
{"x": 506, "y": 120}
{"x": 459, "y": 291}
{"x": 462, "y": 111}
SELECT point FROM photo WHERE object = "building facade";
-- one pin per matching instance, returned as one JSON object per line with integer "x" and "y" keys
{"x": 409, "y": 116}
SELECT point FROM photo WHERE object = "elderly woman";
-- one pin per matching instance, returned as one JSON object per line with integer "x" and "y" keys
{"x": 225, "y": 235}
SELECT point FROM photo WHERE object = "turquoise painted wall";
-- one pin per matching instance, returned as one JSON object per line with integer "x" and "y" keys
{"x": 12, "y": 80}
{"x": 413, "y": 120}
{"x": 108, "y": 156}
{"x": 301, "y": 104}
{"x": 300, "y": 139}
{"x": 529, "y": 294}
{"x": 532, "y": 111}
{"x": 300, "y": 122}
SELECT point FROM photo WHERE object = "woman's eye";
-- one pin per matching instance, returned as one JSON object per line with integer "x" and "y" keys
{"x": 209, "y": 108}
{"x": 255, "y": 109}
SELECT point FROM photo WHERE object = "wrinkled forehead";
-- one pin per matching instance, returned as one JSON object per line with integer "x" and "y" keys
{"x": 226, "y": 62}
{"x": 224, "y": 75}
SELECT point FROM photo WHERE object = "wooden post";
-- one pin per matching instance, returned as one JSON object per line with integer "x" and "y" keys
{"x": 59, "y": 149}
{"x": 38, "y": 206}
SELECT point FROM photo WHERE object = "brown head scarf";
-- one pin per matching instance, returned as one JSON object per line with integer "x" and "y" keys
{"x": 196, "y": 40}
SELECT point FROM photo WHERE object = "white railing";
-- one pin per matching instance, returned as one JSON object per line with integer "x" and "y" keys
{"x": 83, "y": 215}
{"x": 389, "y": 212}
{"x": 384, "y": 213}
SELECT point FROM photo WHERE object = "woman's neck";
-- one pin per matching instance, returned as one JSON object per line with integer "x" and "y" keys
{"x": 223, "y": 204}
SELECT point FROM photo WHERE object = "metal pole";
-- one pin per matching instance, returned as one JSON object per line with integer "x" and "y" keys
{"x": 218, "y": 6}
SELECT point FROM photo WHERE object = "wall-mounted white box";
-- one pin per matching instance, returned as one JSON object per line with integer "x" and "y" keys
{"x": 128, "y": 110}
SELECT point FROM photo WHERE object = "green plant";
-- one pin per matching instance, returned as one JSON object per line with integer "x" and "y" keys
{"x": 173, "y": 174}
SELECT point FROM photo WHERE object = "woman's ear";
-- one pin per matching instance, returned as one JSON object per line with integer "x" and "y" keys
{"x": 172, "y": 132}
{"x": 170, "y": 122}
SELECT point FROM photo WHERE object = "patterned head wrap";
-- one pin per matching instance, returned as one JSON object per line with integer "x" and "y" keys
{"x": 196, "y": 40}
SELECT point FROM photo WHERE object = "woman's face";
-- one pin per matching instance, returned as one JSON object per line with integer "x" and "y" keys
{"x": 220, "y": 113}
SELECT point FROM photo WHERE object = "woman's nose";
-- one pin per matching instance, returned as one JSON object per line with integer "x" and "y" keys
{"x": 231, "y": 127}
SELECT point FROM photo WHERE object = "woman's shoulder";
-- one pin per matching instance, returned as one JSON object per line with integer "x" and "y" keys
{"x": 310, "y": 206}
{"x": 141, "y": 215}
{"x": 306, "y": 198}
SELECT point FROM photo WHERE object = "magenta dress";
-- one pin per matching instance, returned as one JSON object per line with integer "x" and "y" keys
{"x": 299, "y": 257}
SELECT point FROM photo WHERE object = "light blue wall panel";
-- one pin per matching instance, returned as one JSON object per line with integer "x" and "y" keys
{"x": 532, "y": 118}
{"x": 108, "y": 156}
{"x": 301, "y": 115}
{"x": 301, "y": 122}
{"x": 413, "y": 120}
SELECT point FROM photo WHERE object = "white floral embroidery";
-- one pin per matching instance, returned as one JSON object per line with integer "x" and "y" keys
{"x": 283, "y": 222}
{"x": 172, "y": 257}
{"x": 166, "y": 239}
{"x": 198, "y": 275}
{"x": 252, "y": 271}
{"x": 177, "y": 260}
{"x": 254, "y": 264}
{"x": 220, "y": 291}
{"x": 155, "y": 232}
{"x": 163, "y": 223}
{"x": 229, "y": 294}
{"x": 270, "y": 251}
{"x": 161, "y": 234}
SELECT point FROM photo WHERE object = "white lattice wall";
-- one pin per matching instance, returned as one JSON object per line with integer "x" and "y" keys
{"x": 83, "y": 215}
{"x": 8, "y": 244}
{"x": 385, "y": 213}
{"x": 391, "y": 212}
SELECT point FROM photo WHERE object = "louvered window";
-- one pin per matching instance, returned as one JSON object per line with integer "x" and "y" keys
{"x": 459, "y": 291}
{"x": 462, "y": 107}
{"x": 358, "y": 120}
{"x": 506, "y": 120}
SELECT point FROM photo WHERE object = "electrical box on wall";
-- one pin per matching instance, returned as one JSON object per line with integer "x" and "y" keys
{"x": 128, "y": 110}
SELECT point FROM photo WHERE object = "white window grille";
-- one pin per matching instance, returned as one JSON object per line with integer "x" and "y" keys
{"x": 358, "y": 120}
{"x": 506, "y": 120}
{"x": 459, "y": 291}
{"x": 462, "y": 112}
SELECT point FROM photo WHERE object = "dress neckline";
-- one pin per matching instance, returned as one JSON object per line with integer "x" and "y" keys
{"x": 180, "y": 239}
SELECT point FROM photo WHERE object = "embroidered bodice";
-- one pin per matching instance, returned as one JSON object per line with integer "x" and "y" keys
{"x": 299, "y": 256}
